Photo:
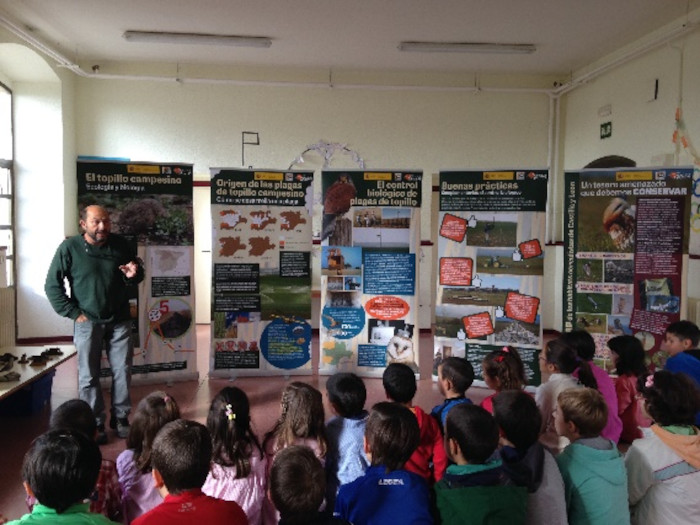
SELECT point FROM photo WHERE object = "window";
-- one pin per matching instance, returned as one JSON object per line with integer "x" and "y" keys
{"x": 6, "y": 200}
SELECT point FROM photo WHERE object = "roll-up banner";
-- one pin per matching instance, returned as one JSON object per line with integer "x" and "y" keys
{"x": 369, "y": 267}
{"x": 491, "y": 232}
{"x": 626, "y": 253}
{"x": 150, "y": 203}
{"x": 261, "y": 274}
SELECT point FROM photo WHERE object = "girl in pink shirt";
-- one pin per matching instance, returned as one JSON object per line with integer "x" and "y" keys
{"x": 139, "y": 494}
{"x": 502, "y": 370}
{"x": 238, "y": 471}
{"x": 628, "y": 354}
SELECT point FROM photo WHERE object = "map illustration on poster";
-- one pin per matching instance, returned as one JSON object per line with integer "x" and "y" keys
{"x": 261, "y": 274}
{"x": 369, "y": 241}
{"x": 490, "y": 265}
{"x": 151, "y": 204}
{"x": 626, "y": 253}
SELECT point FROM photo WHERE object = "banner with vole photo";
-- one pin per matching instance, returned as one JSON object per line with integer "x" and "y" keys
{"x": 491, "y": 231}
{"x": 261, "y": 272}
{"x": 369, "y": 267}
{"x": 151, "y": 204}
{"x": 626, "y": 253}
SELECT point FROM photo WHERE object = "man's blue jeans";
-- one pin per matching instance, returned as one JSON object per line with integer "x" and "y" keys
{"x": 90, "y": 338}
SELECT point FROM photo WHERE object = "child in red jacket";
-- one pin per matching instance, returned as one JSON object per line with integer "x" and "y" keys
{"x": 400, "y": 386}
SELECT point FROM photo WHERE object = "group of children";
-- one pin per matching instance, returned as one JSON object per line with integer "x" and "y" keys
{"x": 515, "y": 459}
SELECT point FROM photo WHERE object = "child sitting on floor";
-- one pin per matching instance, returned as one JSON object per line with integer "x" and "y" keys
{"x": 681, "y": 342}
{"x": 346, "y": 460}
{"x": 502, "y": 370}
{"x": 134, "y": 464}
{"x": 526, "y": 462}
{"x": 429, "y": 459}
{"x": 663, "y": 468}
{"x": 239, "y": 468}
{"x": 583, "y": 343}
{"x": 387, "y": 493}
{"x": 557, "y": 364}
{"x": 476, "y": 489}
{"x": 60, "y": 470}
{"x": 181, "y": 457}
{"x": 628, "y": 355}
{"x": 455, "y": 376}
{"x": 297, "y": 486}
{"x": 76, "y": 414}
{"x": 591, "y": 466}
{"x": 301, "y": 422}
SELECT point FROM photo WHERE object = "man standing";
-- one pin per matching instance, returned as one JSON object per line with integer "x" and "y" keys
{"x": 100, "y": 269}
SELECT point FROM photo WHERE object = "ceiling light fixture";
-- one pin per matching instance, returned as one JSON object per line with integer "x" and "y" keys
{"x": 467, "y": 47}
{"x": 158, "y": 37}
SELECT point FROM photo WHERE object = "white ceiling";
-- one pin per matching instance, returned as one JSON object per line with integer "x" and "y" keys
{"x": 348, "y": 34}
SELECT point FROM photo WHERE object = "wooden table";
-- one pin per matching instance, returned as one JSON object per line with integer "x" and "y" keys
{"x": 29, "y": 374}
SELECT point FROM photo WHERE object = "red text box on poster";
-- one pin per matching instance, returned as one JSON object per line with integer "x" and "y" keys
{"x": 453, "y": 227}
{"x": 530, "y": 249}
{"x": 387, "y": 307}
{"x": 478, "y": 325}
{"x": 522, "y": 307}
{"x": 456, "y": 271}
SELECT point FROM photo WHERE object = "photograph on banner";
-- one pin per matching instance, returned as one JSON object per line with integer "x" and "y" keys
{"x": 694, "y": 247}
{"x": 261, "y": 272}
{"x": 151, "y": 204}
{"x": 369, "y": 295}
{"x": 491, "y": 230}
{"x": 626, "y": 254}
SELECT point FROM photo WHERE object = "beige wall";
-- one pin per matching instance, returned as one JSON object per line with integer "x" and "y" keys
{"x": 642, "y": 126}
{"x": 419, "y": 129}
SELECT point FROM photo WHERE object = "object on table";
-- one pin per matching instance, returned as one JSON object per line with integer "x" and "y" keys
{"x": 52, "y": 351}
{"x": 10, "y": 376}
{"x": 38, "y": 360}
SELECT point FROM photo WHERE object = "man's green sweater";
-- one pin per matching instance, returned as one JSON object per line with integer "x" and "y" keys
{"x": 98, "y": 288}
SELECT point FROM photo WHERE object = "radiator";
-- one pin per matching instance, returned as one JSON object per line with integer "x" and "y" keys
{"x": 7, "y": 317}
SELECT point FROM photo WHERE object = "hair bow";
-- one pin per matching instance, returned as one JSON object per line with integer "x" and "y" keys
{"x": 650, "y": 381}
{"x": 230, "y": 414}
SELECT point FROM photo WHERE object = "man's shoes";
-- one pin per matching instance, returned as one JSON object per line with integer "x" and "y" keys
{"x": 122, "y": 424}
{"x": 101, "y": 437}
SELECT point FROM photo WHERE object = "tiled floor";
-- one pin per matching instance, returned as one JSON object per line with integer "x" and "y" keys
{"x": 193, "y": 397}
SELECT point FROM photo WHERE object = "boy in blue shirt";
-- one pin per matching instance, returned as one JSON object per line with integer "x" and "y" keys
{"x": 681, "y": 342}
{"x": 387, "y": 493}
{"x": 455, "y": 376}
{"x": 595, "y": 479}
{"x": 345, "y": 459}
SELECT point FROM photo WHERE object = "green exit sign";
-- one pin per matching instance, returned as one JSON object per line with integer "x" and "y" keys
{"x": 606, "y": 130}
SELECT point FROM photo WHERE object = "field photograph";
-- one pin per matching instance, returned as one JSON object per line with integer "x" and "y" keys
{"x": 594, "y": 323}
{"x": 285, "y": 296}
{"x": 594, "y": 302}
{"x": 492, "y": 292}
{"x": 619, "y": 271}
{"x": 496, "y": 230}
{"x": 589, "y": 270}
{"x": 448, "y": 319}
{"x": 500, "y": 261}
